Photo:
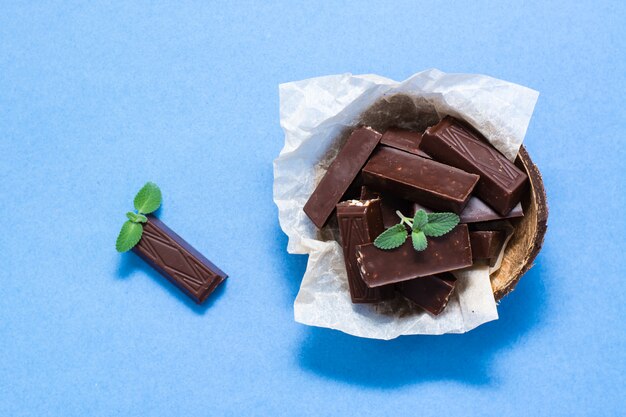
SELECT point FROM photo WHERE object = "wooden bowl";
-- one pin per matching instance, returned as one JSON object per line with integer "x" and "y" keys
{"x": 529, "y": 232}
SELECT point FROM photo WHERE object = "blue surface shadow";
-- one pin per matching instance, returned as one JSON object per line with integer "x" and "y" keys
{"x": 465, "y": 358}
{"x": 130, "y": 263}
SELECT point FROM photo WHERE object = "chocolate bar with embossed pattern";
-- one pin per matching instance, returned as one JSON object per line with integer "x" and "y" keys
{"x": 178, "y": 261}
{"x": 432, "y": 293}
{"x": 360, "y": 222}
{"x": 453, "y": 142}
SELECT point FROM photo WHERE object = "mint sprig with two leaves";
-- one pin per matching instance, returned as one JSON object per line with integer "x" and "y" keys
{"x": 147, "y": 200}
{"x": 422, "y": 225}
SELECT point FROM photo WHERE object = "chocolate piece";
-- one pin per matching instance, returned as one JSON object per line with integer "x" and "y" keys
{"x": 504, "y": 227}
{"x": 477, "y": 211}
{"x": 418, "y": 179}
{"x": 341, "y": 173}
{"x": 432, "y": 293}
{"x": 177, "y": 261}
{"x": 389, "y": 204}
{"x": 405, "y": 140}
{"x": 446, "y": 253}
{"x": 501, "y": 183}
{"x": 360, "y": 222}
{"x": 501, "y": 225}
{"x": 486, "y": 245}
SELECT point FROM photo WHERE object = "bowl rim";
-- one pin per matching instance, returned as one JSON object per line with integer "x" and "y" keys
{"x": 539, "y": 201}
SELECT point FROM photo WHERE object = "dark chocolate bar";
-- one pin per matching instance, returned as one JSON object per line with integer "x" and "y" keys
{"x": 477, "y": 211}
{"x": 405, "y": 140}
{"x": 432, "y": 293}
{"x": 340, "y": 175}
{"x": 486, "y": 245}
{"x": 418, "y": 179}
{"x": 502, "y": 226}
{"x": 389, "y": 204}
{"x": 360, "y": 222}
{"x": 177, "y": 261}
{"x": 455, "y": 143}
{"x": 446, "y": 253}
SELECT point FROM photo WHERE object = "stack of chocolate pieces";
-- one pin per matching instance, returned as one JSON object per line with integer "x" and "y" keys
{"x": 450, "y": 167}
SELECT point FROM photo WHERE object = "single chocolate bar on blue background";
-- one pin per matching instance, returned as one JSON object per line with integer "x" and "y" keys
{"x": 178, "y": 261}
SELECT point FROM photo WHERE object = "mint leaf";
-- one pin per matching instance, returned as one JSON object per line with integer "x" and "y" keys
{"x": 440, "y": 223}
{"x": 148, "y": 199}
{"x": 419, "y": 220}
{"x": 136, "y": 218}
{"x": 419, "y": 241}
{"x": 129, "y": 236}
{"x": 392, "y": 237}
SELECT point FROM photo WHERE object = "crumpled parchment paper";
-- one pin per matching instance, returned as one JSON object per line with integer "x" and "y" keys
{"x": 317, "y": 116}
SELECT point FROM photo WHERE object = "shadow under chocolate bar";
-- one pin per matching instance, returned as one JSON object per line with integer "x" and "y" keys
{"x": 178, "y": 261}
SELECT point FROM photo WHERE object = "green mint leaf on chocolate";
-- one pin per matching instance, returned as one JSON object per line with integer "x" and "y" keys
{"x": 129, "y": 236}
{"x": 391, "y": 238}
{"x": 440, "y": 223}
{"x": 148, "y": 199}
{"x": 419, "y": 220}
{"x": 136, "y": 218}
{"x": 422, "y": 224}
{"x": 419, "y": 240}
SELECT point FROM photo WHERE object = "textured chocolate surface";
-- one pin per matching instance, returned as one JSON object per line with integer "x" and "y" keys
{"x": 477, "y": 211}
{"x": 177, "y": 261}
{"x": 431, "y": 293}
{"x": 446, "y": 253}
{"x": 389, "y": 204}
{"x": 455, "y": 143}
{"x": 439, "y": 186}
{"x": 360, "y": 222}
{"x": 341, "y": 174}
{"x": 405, "y": 140}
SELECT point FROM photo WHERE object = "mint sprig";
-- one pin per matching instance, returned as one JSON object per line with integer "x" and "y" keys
{"x": 422, "y": 225}
{"x": 147, "y": 200}
{"x": 392, "y": 237}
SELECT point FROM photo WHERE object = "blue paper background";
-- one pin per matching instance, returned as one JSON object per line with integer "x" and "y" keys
{"x": 96, "y": 99}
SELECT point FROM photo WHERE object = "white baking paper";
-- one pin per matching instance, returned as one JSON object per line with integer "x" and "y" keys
{"x": 317, "y": 114}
